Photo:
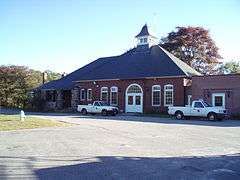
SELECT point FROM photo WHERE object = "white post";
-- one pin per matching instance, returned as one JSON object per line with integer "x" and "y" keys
{"x": 22, "y": 115}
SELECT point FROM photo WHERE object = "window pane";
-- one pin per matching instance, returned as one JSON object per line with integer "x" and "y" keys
{"x": 104, "y": 96}
{"x": 83, "y": 94}
{"x": 114, "y": 89}
{"x": 130, "y": 100}
{"x": 134, "y": 89}
{"x": 89, "y": 94}
{"x": 218, "y": 101}
{"x": 138, "y": 100}
{"x": 104, "y": 89}
{"x": 156, "y": 88}
{"x": 169, "y": 87}
{"x": 168, "y": 98}
{"x": 156, "y": 97}
{"x": 114, "y": 98}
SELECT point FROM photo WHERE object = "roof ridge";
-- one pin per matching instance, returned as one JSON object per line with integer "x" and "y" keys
{"x": 179, "y": 62}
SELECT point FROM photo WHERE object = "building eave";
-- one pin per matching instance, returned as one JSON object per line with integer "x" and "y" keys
{"x": 152, "y": 77}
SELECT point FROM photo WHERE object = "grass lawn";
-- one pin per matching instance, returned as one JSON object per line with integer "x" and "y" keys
{"x": 12, "y": 122}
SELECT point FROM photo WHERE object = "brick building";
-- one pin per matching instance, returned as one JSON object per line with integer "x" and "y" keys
{"x": 147, "y": 78}
{"x": 218, "y": 90}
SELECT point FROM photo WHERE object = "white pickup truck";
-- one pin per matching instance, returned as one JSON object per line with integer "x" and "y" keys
{"x": 98, "y": 107}
{"x": 199, "y": 108}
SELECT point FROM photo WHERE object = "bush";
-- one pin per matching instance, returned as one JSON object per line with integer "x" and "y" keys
{"x": 35, "y": 102}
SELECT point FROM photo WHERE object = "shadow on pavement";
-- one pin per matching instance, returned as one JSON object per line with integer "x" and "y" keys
{"x": 224, "y": 123}
{"x": 113, "y": 167}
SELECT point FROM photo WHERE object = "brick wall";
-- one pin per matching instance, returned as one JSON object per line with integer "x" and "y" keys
{"x": 204, "y": 86}
{"x": 122, "y": 85}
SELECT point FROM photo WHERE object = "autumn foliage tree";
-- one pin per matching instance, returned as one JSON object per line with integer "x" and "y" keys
{"x": 194, "y": 46}
{"x": 231, "y": 67}
{"x": 17, "y": 81}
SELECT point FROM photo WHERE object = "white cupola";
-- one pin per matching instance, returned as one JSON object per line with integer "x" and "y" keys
{"x": 144, "y": 38}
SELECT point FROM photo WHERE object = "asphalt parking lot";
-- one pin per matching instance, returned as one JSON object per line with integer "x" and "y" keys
{"x": 122, "y": 147}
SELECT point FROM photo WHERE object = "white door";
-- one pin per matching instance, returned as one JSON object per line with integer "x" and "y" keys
{"x": 134, "y": 102}
{"x": 134, "y": 99}
{"x": 218, "y": 99}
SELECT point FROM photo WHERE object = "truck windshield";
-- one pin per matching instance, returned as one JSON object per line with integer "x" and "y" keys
{"x": 206, "y": 104}
{"x": 101, "y": 103}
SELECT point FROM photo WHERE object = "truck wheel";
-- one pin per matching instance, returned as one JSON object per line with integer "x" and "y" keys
{"x": 84, "y": 111}
{"x": 104, "y": 112}
{"x": 114, "y": 113}
{"x": 179, "y": 115}
{"x": 212, "y": 116}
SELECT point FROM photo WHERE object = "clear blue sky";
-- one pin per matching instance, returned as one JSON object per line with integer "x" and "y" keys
{"x": 63, "y": 35}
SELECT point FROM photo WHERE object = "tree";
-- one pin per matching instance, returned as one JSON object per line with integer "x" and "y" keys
{"x": 194, "y": 46}
{"x": 13, "y": 85}
{"x": 230, "y": 67}
{"x": 17, "y": 81}
{"x": 52, "y": 75}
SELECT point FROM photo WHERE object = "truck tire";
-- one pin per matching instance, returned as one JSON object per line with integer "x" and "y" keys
{"x": 212, "y": 116}
{"x": 114, "y": 113}
{"x": 179, "y": 115}
{"x": 84, "y": 111}
{"x": 104, "y": 112}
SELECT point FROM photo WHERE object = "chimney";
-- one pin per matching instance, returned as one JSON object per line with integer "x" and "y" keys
{"x": 63, "y": 74}
{"x": 44, "y": 77}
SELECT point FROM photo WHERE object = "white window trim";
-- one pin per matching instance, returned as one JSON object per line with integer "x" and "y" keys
{"x": 189, "y": 98}
{"x": 89, "y": 99}
{"x": 156, "y": 105}
{"x": 218, "y": 94}
{"x": 81, "y": 93}
{"x": 134, "y": 85}
{"x": 165, "y": 90}
{"x": 111, "y": 95}
{"x": 106, "y": 91}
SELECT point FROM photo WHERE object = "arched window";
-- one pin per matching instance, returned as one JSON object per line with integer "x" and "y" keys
{"x": 104, "y": 94}
{"x": 89, "y": 94}
{"x": 134, "y": 89}
{"x": 82, "y": 94}
{"x": 168, "y": 95}
{"x": 114, "y": 96}
{"x": 156, "y": 95}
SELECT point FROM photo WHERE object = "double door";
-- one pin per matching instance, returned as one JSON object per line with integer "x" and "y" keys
{"x": 134, "y": 102}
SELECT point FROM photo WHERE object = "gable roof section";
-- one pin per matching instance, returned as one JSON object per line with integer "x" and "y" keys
{"x": 67, "y": 82}
{"x": 188, "y": 70}
{"x": 156, "y": 62}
